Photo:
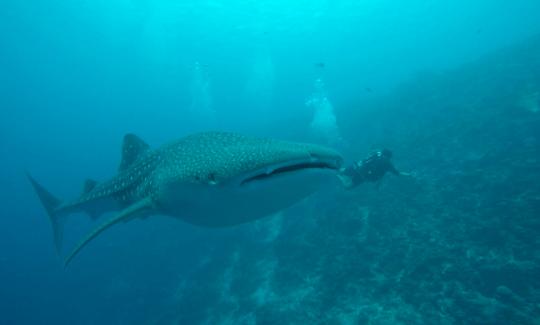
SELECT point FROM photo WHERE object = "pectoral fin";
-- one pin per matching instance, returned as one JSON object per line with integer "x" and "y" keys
{"x": 136, "y": 209}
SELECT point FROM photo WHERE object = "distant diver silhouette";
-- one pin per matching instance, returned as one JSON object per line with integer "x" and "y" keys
{"x": 371, "y": 169}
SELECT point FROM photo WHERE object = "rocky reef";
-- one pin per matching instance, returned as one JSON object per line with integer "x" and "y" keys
{"x": 457, "y": 244}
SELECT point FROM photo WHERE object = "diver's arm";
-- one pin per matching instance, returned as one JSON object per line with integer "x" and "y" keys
{"x": 396, "y": 172}
{"x": 393, "y": 169}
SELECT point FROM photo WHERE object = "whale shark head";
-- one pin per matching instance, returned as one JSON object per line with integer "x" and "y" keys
{"x": 222, "y": 179}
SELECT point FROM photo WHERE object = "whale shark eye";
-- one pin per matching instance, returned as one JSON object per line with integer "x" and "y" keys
{"x": 212, "y": 179}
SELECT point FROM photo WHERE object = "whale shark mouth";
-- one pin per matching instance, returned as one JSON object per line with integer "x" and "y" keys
{"x": 290, "y": 168}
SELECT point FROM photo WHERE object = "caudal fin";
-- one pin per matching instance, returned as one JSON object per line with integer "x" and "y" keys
{"x": 51, "y": 204}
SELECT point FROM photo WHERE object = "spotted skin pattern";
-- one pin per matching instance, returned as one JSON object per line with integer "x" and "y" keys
{"x": 184, "y": 178}
{"x": 203, "y": 158}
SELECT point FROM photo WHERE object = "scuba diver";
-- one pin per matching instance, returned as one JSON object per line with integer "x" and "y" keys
{"x": 371, "y": 169}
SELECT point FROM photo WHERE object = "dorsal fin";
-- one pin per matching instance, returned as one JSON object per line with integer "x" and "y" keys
{"x": 132, "y": 148}
{"x": 89, "y": 185}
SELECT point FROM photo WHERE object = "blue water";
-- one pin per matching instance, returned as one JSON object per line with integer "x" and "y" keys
{"x": 452, "y": 87}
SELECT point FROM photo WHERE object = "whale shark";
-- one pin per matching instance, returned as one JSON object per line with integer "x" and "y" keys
{"x": 210, "y": 179}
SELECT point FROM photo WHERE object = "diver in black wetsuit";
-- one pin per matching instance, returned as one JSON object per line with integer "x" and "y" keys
{"x": 371, "y": 169}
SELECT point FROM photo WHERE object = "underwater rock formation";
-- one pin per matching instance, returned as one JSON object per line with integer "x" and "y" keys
{"x": 456, "y": 245}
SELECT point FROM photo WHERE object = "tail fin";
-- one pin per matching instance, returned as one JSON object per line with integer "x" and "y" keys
{"x": 51, "y": 203}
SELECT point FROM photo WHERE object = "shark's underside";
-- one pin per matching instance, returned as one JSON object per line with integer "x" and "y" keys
{"x": 212, "y": 179}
